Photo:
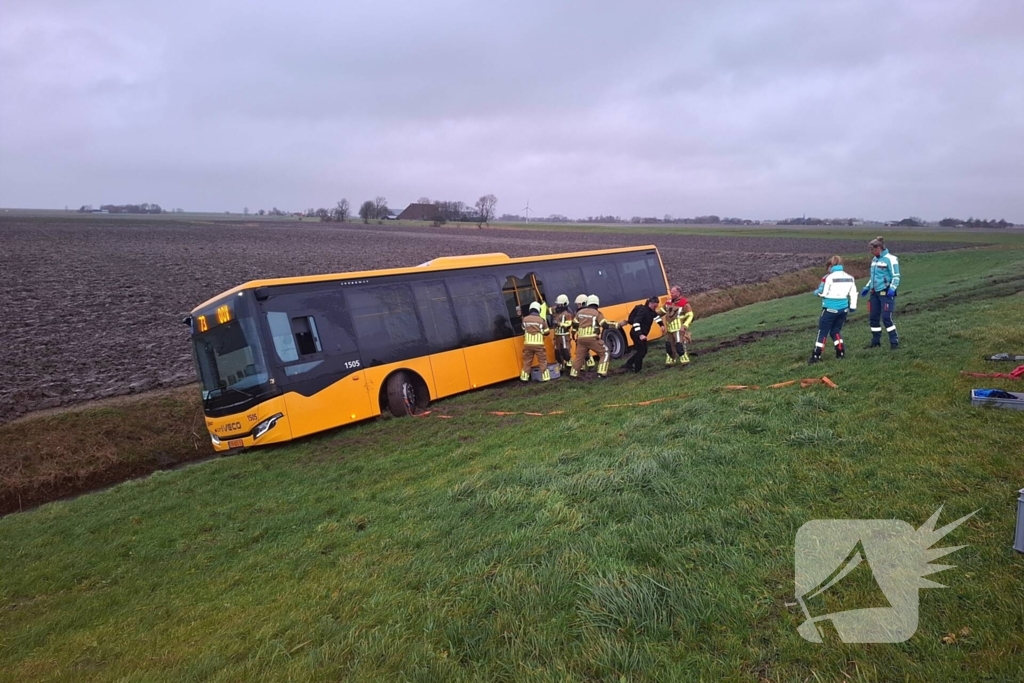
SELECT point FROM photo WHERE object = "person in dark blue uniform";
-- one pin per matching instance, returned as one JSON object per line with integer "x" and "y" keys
{"x": 883, "y": 281}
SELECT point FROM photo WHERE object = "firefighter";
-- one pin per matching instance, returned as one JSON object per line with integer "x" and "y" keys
{"x": 641, "y": 319}
{"x": 838, "y": 292}
{"x": 677, "y": 316}
{"x": 535, "y": 328}
{"x": 581, "y": 302}
{"x": 561, "y": 321}
{"x": 590, "y": 323}
{"x": 883, "y": 280}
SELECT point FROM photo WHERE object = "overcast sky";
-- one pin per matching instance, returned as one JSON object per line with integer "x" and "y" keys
{"x": 753, "y": 109}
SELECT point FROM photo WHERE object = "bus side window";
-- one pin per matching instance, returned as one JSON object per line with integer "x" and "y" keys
{"x": 435, "y": 311}
{"x": 603, "y": 280}
{"x": 386, "y": 323}
{"x": 561, "y": 279}
{"x": 281, "y": 331}
{"x": 635, "y": 277}
{"x": 306, "y": 337}
{"x": 480, "y": 308}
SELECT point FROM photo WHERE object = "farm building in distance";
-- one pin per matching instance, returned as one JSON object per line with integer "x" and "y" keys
{"x": 420, "y": 212}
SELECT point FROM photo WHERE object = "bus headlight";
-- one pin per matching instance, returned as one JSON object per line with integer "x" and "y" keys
{"x": 214, "y": 439}
{"x": 265, "y": 426}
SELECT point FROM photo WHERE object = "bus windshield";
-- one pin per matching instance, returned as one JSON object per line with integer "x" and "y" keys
{"x": 230, "y": 359}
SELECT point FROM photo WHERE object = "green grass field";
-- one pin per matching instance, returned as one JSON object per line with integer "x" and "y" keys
{"x": 637, "y": 543}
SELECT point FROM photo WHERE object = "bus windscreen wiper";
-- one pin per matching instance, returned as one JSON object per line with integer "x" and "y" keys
{"x": 222, "y": 391}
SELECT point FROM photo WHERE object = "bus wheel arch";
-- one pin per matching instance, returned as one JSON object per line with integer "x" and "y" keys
{"x": 615, "y": 343}
{"x": 404, "y": 392}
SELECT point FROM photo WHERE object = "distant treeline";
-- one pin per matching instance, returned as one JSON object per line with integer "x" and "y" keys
{"x": 667, "y": 219}
{"x": 817, "y": 221}
{"x": 974, "y": 223}
{"x": 122, "y": 208}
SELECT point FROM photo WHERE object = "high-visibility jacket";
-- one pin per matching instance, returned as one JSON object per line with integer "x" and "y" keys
{"x": 535, "y": 328}
{"x": 674, "y": 316}
{"x": 885, "y": 272}
{"x": 562, "y": 322}
{"x": 838, "y": 290}
{"x": 590, "y": 322}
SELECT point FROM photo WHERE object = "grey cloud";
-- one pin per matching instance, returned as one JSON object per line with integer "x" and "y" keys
{"x": 742, "y": 108}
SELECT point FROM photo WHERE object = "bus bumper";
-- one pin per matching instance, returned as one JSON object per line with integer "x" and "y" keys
{"x": 267, "y": 423}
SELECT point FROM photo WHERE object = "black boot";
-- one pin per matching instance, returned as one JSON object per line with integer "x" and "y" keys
{"x": 815, "y": 358}
{"x": 840, "y": 351}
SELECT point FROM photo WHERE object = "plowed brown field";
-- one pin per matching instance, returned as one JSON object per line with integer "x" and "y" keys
{"x": 93, "y": 308}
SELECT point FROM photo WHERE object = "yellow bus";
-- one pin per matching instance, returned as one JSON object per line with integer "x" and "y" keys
{"x": 279, "y": 359}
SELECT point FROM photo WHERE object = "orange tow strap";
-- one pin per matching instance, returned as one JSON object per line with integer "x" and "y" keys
{"x": 804, "y": 383}
{"x": 647, "y": 402}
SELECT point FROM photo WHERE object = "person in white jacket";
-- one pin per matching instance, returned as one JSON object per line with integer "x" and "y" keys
{"x": 838, "y": 292}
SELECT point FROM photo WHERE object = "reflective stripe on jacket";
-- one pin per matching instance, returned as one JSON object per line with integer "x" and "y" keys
{"x": 563, "y": 323}
{"x": 534, "y": 330}
{"x": 588, "y": 322}
{"x": 675, "y": 315}
{"x": 838, "y": 290}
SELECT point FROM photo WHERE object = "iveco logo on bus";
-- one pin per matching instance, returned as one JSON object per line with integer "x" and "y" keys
{"x": 230, "y": 427}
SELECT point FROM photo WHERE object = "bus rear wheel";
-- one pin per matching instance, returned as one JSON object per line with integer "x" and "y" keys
{"x": 615, "y": 343}
{"x": 406, "y": 394}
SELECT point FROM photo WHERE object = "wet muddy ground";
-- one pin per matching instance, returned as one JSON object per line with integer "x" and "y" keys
{"x": 93, "y": 308}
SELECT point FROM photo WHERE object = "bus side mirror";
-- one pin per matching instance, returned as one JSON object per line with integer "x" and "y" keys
{"x": 262, "y": 293}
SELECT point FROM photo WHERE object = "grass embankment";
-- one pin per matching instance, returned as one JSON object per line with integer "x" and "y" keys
{"x": 639, "y": 543}
{"x": 45, "y": 458}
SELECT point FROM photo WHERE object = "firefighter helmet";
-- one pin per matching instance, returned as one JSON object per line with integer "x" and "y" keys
{"x": 581, "y": 299}
{"x": 535, "y": 307}
{"x": 562, "y": 300}
{"x": 592, "y": 300}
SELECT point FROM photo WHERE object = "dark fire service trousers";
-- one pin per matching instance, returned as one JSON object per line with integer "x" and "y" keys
{"x": 583, "y": 349}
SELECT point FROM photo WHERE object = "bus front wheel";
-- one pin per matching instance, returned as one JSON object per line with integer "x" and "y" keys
{"x": 406, "y": 394}
{"x": 615, "y": 342}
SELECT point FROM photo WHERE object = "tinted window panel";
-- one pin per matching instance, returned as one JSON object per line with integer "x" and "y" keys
{"x": 657, "y": 276}
{"x": 435, "y": 311}
{"x": 635, "y": 277}
{"x": 333, "y": 326}
{"x": 300, "y": 368}
{"x": 281, "y": 332}
{"x": 603, "y": 280}
{"x": 306, "y": 337}
{"x": 480, "y": 308}
{"x": 555, "y": 280}
{"x": 386, "y": 324}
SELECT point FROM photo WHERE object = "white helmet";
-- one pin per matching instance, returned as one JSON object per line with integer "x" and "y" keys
{"x": 562, "y": 300}
{"x": 535, "y": 307}
{"x": 581, "y": 299}
{"x": 592, "y": 300}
